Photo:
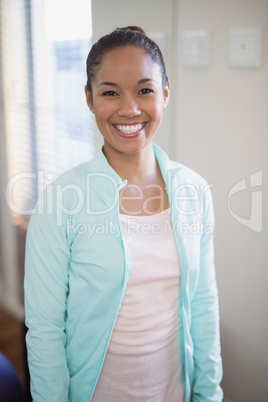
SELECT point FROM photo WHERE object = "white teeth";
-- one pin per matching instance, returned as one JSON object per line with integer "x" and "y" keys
{"x": 129, "y": 129}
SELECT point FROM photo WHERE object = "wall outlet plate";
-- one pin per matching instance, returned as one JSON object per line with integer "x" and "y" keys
{"x": 245, "y": 48}
{"x": 195, "y": 49}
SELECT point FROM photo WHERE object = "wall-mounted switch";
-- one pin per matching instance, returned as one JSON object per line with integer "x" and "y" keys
{"x": 245, "y": 48}
{"x": 195, "y": 49}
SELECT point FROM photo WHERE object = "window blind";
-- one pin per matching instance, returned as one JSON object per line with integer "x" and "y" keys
{"x": 49, "y": 129}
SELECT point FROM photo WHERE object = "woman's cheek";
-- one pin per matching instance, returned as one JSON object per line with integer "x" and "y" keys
{"x": 104, "y": 111}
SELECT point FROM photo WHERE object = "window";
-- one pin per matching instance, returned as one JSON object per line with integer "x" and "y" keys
{"x": 47, "y": 127}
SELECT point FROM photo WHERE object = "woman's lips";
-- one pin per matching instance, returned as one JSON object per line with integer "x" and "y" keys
{"x": 129, "y": 130}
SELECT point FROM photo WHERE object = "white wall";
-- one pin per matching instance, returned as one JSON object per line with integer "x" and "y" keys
{"x": 222, "y": 133}
{"x": 217, "y": 123}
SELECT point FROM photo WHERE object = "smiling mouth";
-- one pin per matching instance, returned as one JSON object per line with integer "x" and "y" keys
{"x": 129, "y": 128}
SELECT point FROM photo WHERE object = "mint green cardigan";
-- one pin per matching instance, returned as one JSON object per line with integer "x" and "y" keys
{"x": 77, "y": 269}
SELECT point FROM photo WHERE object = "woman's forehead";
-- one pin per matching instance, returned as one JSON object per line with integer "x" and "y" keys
{"x": 129, "y": 61}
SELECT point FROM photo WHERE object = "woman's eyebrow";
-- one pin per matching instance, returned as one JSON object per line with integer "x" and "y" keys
{"x": 113, "y": 84}
{"x": 144, "y": 80}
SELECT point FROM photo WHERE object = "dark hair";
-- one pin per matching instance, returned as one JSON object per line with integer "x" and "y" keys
{"x": 128, "y": 36}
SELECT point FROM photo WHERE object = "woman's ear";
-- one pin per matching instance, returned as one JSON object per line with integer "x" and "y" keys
{"x": 89, "y": 99}
{"x": 166, "y": 94}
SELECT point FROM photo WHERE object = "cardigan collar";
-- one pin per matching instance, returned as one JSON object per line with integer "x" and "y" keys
{"x": 167, "y": 167}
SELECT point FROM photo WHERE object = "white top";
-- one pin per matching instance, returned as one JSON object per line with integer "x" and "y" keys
{"x": 143, "y": 361}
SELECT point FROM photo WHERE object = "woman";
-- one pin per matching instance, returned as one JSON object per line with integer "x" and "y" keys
{"x": 120, "y": 293}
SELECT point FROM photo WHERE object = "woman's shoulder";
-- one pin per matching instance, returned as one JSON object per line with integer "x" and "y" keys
{"x": 184, "y": 173}
{"x": 77, "y": 175}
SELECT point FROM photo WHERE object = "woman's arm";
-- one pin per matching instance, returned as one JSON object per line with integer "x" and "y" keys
{"x": 205, "y": 319}
{"x": 46, "y": 288}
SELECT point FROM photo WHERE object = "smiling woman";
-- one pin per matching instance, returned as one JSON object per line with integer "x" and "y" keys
{"x": 128, "y": 102}
{"x": 129, "y": 311}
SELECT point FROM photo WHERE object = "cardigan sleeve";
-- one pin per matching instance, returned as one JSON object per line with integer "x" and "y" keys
{"x": 46, "y": 289}
{"x": 205, "y": 318}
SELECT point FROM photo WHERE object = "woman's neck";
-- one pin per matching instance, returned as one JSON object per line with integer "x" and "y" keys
{"x": 145, "y": 192}
{"x": 137, "y": 168}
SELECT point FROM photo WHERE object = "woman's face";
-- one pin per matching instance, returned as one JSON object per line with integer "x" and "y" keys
{"x": 127, "y": 99}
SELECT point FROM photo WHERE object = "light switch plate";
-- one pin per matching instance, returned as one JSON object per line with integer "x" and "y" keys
{"x": 195, "y": 49}
{"x": 245, "y": 48}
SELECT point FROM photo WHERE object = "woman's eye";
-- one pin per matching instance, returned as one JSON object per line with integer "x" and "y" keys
{"x": 145, "y": 91}
{"x": 109, "y": 93}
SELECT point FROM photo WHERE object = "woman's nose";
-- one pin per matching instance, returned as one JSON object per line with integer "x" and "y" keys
{"x": 129, "y": 107}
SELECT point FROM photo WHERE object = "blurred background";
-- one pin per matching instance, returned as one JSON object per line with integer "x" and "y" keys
{"x": 216, "y": 54}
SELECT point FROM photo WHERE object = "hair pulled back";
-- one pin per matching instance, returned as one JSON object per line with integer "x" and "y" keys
{"x": 128, "y": 36}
